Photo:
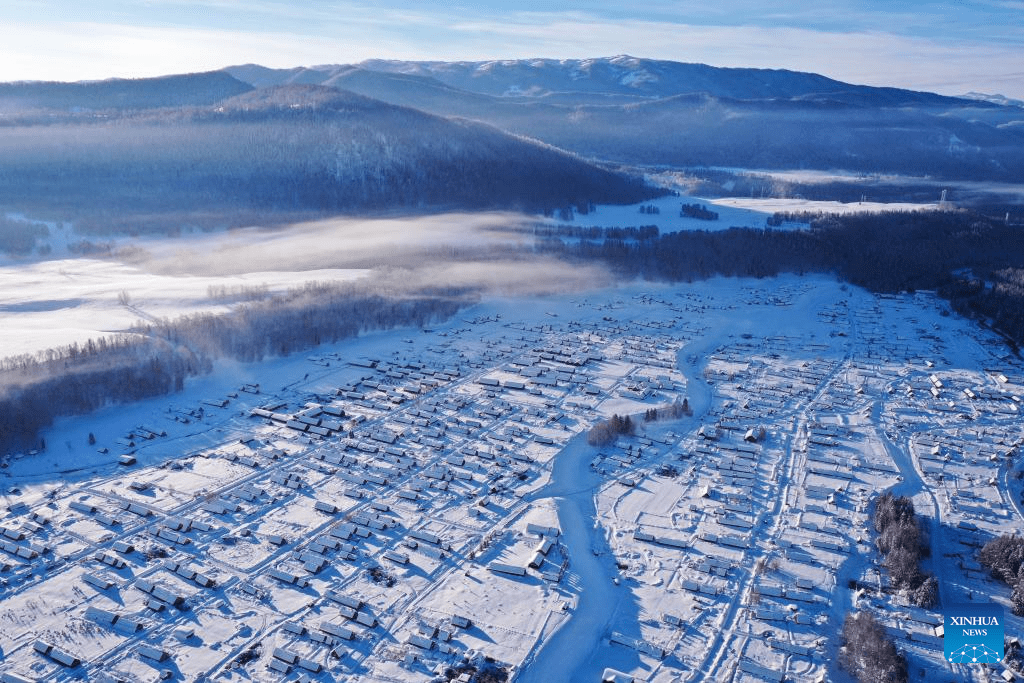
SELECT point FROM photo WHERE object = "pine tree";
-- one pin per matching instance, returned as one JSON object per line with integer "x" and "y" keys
{"x": 1017, "y": 597}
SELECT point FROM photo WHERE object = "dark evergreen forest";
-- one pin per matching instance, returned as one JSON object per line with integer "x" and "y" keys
{"x": 974, "y": 261}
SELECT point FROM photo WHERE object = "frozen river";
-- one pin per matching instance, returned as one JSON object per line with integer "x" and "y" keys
{"x": 567, "y": 655}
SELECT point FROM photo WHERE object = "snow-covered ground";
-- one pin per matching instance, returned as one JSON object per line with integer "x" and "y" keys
{"x": 1011, "y": 191}
{"x": 733, "y": 212}
{"x": 64, "y": 298}
{"x": 59, "y": 299}
{"x": 771, "y": 205}
{"x": 52, "y": 303}
{"x": 413, "y": 502}
{"x": 668, "y": 218}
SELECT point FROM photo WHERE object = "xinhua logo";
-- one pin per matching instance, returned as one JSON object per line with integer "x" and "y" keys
{"x": 973, "y": 633}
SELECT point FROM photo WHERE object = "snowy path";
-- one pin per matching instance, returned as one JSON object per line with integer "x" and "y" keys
{"x": 711, "y": 668}
{"x": 770, "y": 527}
{"x": 913, "y": 486}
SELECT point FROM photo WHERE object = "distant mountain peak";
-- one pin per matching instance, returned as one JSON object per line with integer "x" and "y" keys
{"x": 994, "y": 99}
{"x": 629, "y": 109}
{"x": 618, "y": 76}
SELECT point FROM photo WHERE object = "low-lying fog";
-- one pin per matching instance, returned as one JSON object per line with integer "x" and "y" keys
{"x": 50, "y": 303}
{"x": 54, "y": 302}
{"x": 333, "y": 243}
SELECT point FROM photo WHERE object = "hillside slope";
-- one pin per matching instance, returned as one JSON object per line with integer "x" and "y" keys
{"x": 120, "y": 94}
{"x": 291, "y": 148}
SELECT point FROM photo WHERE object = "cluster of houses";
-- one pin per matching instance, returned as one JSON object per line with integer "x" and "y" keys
{"x": 329, "y": 494}
{"x": 320, "y": 513}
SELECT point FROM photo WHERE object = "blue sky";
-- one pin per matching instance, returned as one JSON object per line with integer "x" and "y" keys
{"x": 949, "y": 47}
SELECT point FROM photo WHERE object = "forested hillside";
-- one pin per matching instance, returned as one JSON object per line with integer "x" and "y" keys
{"x": 293, "y": 148}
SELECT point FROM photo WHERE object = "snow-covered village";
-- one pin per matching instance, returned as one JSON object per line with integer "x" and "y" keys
{"x": 437, "y": 504}
{"x": 481, "y": 342}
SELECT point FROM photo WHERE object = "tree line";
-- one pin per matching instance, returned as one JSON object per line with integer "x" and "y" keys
{"x": 75, "y": 380}
{"x": 975, "y": 262}
{"x": 594, "y": 232}
{"x": 1004, "y": 557}
{"x": 316, "y": 313}
{"x": 996, "y": 297}
{"x": 158, "y": 357}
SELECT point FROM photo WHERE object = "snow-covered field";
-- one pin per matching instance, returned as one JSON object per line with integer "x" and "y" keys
{"x": 733, "y": 212}
{"x": 957, "y": 188}
{"x": 62, "y": 299}
{"x": 770, "y": 205}
{"x": 52, "y": 303}
{"x": 411, "y": 503}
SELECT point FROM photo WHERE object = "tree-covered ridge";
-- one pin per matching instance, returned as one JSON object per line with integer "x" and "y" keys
{"x": 292, "y": 148}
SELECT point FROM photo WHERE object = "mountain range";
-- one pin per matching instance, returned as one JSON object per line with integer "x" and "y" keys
{"x": 599, "y": 81}
{"x": 530, "y": 134}
{"x": 650, "y": 112}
